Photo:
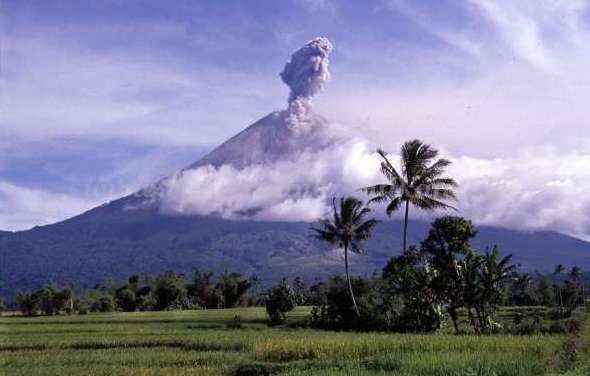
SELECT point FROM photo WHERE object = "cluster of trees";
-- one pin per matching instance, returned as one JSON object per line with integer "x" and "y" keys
{"x": 415, "y": 291}
{"x": 168, "y": 290}
{"x": 566, "y": 290}
{"x": 441, "y": 276}
{"x": 48, "y": 300}
{"x": 446, "y": 274}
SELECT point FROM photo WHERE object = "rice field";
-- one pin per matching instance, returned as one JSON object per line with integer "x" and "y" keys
{"x": 209, "y": 342}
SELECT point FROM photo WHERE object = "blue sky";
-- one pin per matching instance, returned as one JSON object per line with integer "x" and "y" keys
{"x": 125, "y": 92}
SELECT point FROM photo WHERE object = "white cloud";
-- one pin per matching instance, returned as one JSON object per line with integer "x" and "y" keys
{"x": 22, "y": 207}
{"x": 537, "y": 189}
{"x": 297, "y": 189}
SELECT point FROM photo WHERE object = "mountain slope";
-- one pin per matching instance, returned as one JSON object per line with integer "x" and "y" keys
{"x": 267, "y": 140}
{"x": 111, "y": 242}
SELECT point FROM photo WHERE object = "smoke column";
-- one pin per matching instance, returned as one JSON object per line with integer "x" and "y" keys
{"x": 306, "y": 74}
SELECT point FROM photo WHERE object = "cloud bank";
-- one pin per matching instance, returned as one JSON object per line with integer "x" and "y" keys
{"x": 22, "y": 206}
{"x": 297, "y": 189}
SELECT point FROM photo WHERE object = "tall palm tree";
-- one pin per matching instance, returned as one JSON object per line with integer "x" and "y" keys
{"x": 420, "y": 182}
{"x": 559, "y": 269}
{"x": 347, "y": 230}
{"x": 576, "y": 274}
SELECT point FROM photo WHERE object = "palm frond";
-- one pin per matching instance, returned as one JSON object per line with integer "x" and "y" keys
{"x": 429, "y": 203}
{"x": 393, "y": 206}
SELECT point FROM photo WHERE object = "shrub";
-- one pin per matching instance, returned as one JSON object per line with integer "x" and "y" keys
{"x": 280, "y": 300}
{"x": 337, "y": 313}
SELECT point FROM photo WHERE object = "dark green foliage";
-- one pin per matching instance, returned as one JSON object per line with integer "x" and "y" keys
{"x": 28, "y": 303}
{"x": 48, "y": 300}
{"x": 145, "y": 300}
{"x": 202, "y": 290}
{"x": 317, "y": 294}
{"x": 104, "y": 304}
{"x": 232, "y": 289}
{"x": 280, "y": 300}
{"x": 169, "y": 288}
{"x": 409, "y": 287}
{"x": 446, "y": 244}
{"x": 447, "y": 272}
{"x": 2, "y": 305}
{"x": 126, "y": 299}
{"x": 545, "y": 294}
{"x": 338, "y": 314}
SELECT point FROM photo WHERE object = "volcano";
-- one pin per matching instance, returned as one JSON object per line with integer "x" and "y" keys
{"x": 133, "y": 234}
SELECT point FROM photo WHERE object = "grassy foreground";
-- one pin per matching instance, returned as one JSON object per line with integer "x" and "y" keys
{"x": 201, "y": 343}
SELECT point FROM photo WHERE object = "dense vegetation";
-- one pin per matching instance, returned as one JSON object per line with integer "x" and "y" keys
{"x": 418, "y": 291}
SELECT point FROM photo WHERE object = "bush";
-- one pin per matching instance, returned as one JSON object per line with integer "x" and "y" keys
{"x": 380, "y": 309}
{"x": 337, "y": 313}
{"x": 420, "y": 317}
{"x": 280, "y": 300}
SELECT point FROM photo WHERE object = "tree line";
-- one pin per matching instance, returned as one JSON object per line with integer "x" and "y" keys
{"x": 165, "y": 291}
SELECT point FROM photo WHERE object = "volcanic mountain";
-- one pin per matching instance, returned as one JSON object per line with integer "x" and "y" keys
{"x": 133, "y": 234}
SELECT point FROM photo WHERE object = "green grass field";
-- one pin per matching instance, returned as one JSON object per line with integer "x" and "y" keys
{"x": 200, "y": 343}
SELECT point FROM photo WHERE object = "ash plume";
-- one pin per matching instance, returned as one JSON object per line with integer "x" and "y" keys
{"x": 306, "y": 73}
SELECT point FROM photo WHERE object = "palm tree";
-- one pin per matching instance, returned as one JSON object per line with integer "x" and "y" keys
{"x": 420, "y": 182}
{"x": 559, "y": 269}
{"x": 576, "y": 274}
{"x": 347, "y": 230}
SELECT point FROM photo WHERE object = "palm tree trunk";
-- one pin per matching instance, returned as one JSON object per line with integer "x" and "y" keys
{"x": 406, "y": 225}
{"x": 356, "y": 308}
